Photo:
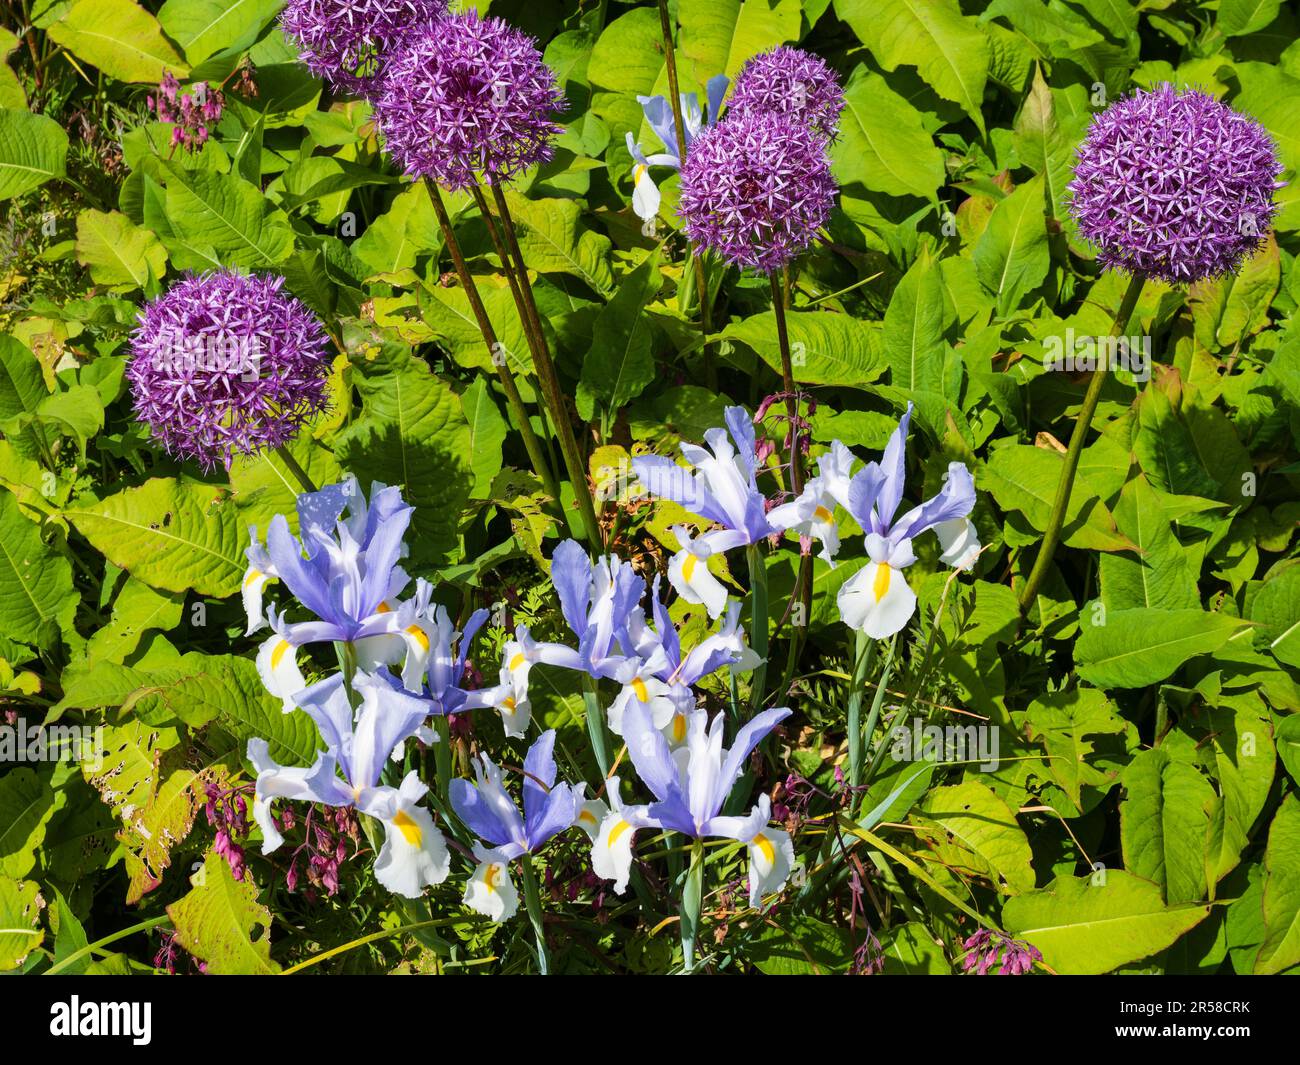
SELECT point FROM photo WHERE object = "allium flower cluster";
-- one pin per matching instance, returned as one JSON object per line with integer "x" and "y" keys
{"x": 755, "y": 189}
{"x": 226, "y": 364}
{"x": 346, "y": 41}
{"x": 468, "y": 96}
{"x": 192, "y": 111}
{"x": 791, "y": 82}
{"x": 1174, "y": 185}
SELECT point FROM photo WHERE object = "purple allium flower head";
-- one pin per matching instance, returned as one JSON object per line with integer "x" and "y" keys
{"x": 468, "y": 96}
{"x": 755, "y": 189}
{"x": 1174, "y": 185}
{"x": 346, "y": 41}
{"x": 226, "y": 364}
{"x": 789, "y": 81}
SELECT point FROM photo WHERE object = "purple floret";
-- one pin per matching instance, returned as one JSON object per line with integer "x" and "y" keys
{"x": 226, "y": 364}
{"x": 1174, "y": 185}
{"x": 789, "y": 81}
{"x": 755, "y": 189}
{"x": 345, "y": 41}
{"x": 468, "y": 97}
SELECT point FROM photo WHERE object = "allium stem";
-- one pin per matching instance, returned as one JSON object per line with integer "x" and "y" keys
{"x": 1060, "y": 507}
{"x": 300, "y": 475}
{"x": 787, "y": 381}
{"x": 701, "y": 283}
{"x": 546, "y": 374}
{"x": 531, "y": 444}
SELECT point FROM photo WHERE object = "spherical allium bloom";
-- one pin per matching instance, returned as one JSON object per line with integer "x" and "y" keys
{"x": 1174, "y": 185}
{"x": 226, "y": 364}
{"x": 790, "y": 81}
{"x": 468, "y": 96}
{"x": 755, "y": 189}
{"x": 346, "y": 41}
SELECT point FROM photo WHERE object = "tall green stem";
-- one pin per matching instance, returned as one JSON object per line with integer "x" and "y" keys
{"x": 533, "y": 901}
{"x": 692, "y": 900}
{"x": 513, "y": 399}
{"x": 300, "y": 475}
{"x": 787, "y": 382}
{"x": 758, "y": 620}
{"x": 675, "y": 95}
{"x": 547, "y": 376}
{"x": 1061, "y": 505}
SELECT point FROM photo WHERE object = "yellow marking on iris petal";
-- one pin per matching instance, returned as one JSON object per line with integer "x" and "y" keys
{"x": 508, "y": 704}
{"x": 637, "y": 172}
{"x": 822, "y": 514}
{"x": 588, "y": 816}
{"x": 679, "y": 728}
{"x": 383, "y": 608}
{"x": 638, "y": 686}
{"x": 688, "y": 567}
{"x": 253, "y": 574}
{"x": 764, "y": 847}
{"x": 616, "y": 832}
{"x": 517, "y": 661}
{"x": 277, "y": 653}
{"x": 880, "y": 586}
{"x": 408, "y": 828}
{"x": 419, "y": 635}
{"x": 491, "y": 877}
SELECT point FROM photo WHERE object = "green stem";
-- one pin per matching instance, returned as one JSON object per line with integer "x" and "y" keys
{"x": 547, "y": 376}
{"x": 692, "y": 898}
{"x": 1052, "y": 536}
{"x": 787, "y": 381}
{"x": 878, "y": 701}
{"x": 675, "y": 96}
{"x": 498, "y": 354}
{"x": 864, "y": 653}
{"x": 533, "y": 901}
{"x": 300, "y": 475}
{"x": 347, "y": 656}
{"x": 758, "y": 621}
{"x": 77, "y": 955}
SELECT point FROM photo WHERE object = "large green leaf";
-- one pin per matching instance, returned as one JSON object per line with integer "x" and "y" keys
{"x": 37, "y": 596}
{"x": 33, "y": 149}
{"x": 883, "y": 144}
{"x": 620, "y": 362}
{"x": 120, "y": 38}
{"x": 26, "y": 806}
{"x": 972, "y": 829}
{"x": 825, "y": 348}
{"x": 1161, "y": 576}
{"x": 1164, "y": 823}
{"x": 20, "y": 921}
{"x": 412, "y": 432}
{"x": 221, "y": 922}
{"x": 1012, "y": 257}
{"x": 1281, "y": 947}
{"x": 554, "y": 240}
{"x": 915, "y": 323}
{"x": 228, "y": 215}
{"x": 176, "y": 535}
{"x": 1141, "y": 646}
{"x": 1085, "y": 928}
{"x": 487, "y": 434}
{"x": 205, "y": 27}
{"x": 120, "y": 254}
{"x": 947, "y": 48}
{"x": 717, "y": 36}
{"x": 1024, "y": 478}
